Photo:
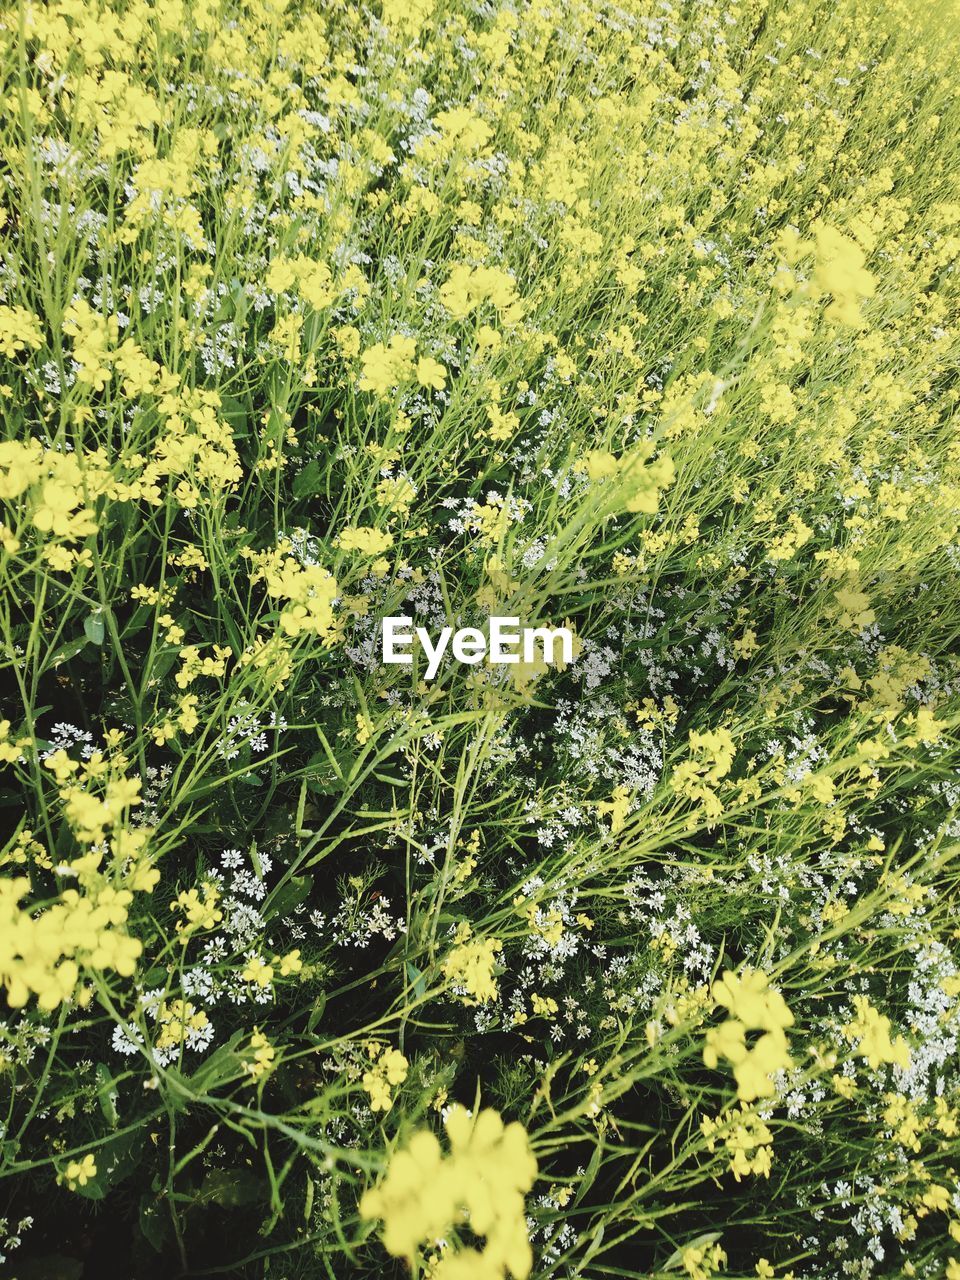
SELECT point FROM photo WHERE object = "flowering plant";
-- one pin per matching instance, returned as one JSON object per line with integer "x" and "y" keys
{"x": 634, "y": 955}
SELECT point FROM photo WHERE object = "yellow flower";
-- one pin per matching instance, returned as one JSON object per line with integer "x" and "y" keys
{"x": 639, "y": 481}
{"x": 261, "y": 1056}
{"x": 853, "y": 609}
{"x": 471, "y": 966}
{"x": 871, "y": 1030}
{"x": 746, "y": 1140}
{"x": 12, "y": 749}
{"x": 543, "y": 1006}
{"x": 618, "y": 806}
{"x": 469, "y": 288}
{"x": 19, "y": 330}
{"x": 41, "y": 953}
{"x": 388, "y": 1069}
{"x": 600, "y": 464}
{"x": 753, "y": 1007}
{"x": 309, "y": 592}
{"x": 749, "y": 997}
{"x": 387, "y": 366}
{"x": 937, "y": 1198}
{"x": 483, "y": 1180}
{"x": 61, "y": 765}
{"x": 406, "y": 16}
{"x": 396, "y": 493}
{"x": 370, "y": 542}
{"x": 430, "y": 373}
{"x": 199, "y": 907}
{"x": 841, "y": 271}
{"x": 258, "y": 972}
{"x": 79, "y": 1172}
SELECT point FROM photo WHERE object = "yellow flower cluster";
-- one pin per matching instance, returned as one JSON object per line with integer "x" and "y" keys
{"x": 746, "y": 1139}
{"x": 712, "y": 755}
{"x": 480, "y": 1183}
{"x": 909, "y": 1122}
{"x": 639, "y": 482}
{"x": 502, "y": 423}
{"x": 388, "y": 365}
{"x": 852, "y": 608}
{"x": 53, "y": 490}
{"x": 198, "y": 908}
{"x": 471, "y": 965}
{"x": 193, "y": 664}
{"x": 396, "y": 493}
{"x": 307, "y": 590}
{"x": 753, "y": 1006}
{"x": 186, "y": 720}
{"x": 841, "y": 272}
{"x": 163, "y": 185}
{"x": 261, "y": 973}
{"x": 260, "y": 1056}
{"x": 369, "y": 542}
{"x": 312, "y": 279}
{"x": 79, "y": 1172}
{"x": 406, "y": 16}
{"x": 42, "y": 951}
{"x": 701, "y": 1261}
{"x": 270, "y": 658}
{"x": 618, "y": 806}
{"x": 870, "y": 1030}
{"x": 93, "y": 337}
{"x": 388, "y": 1068}
{"x": 195, "y": 445}
{"x": 11, "y": 749}
{"x": 542, "y": 924}
{"x": 460, "y": 131}
{"x": 176, "y": 1018}
{"x": 468, "y": 289}
{"x": 19, "y": 331}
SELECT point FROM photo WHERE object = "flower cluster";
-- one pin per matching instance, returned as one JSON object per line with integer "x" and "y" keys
{"x": 631, "y": 316}
{"x": 480, "y": 1183}
{"x": 752, "y": 1005}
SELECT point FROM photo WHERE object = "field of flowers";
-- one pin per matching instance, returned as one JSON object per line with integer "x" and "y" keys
{"x": 637, "y": 317}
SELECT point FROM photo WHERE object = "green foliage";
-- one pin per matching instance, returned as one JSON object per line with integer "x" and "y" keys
{"x": 641, "y": 319}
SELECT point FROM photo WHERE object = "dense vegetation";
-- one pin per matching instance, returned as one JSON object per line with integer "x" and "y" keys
{"x": 641, "y": 317}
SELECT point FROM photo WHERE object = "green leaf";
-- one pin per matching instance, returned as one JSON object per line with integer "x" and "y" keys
{"x": 107, "y": 1094}
{"x": 289, "y": 896}
{"x": 255, "y": 859}
{"x": 589, "y": 1176}
{"x": 142, "y": 615}
{"x": 328, "y": 771}
{"x": 115, "y": 1160}
{"x": 223, "y": 1064}
{"x": 310, "y": 480}
{"x": 93, "y": 628}
{"x": 232, "y": 1188}
{"x": 417, "y": 980}
{"x": 67, "y": 651}
{"x": 316, "y": 1013}
{"x": 235, "y": 414}
{"x": 156, "y": 976}
{"x": 154, "y": 1223}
